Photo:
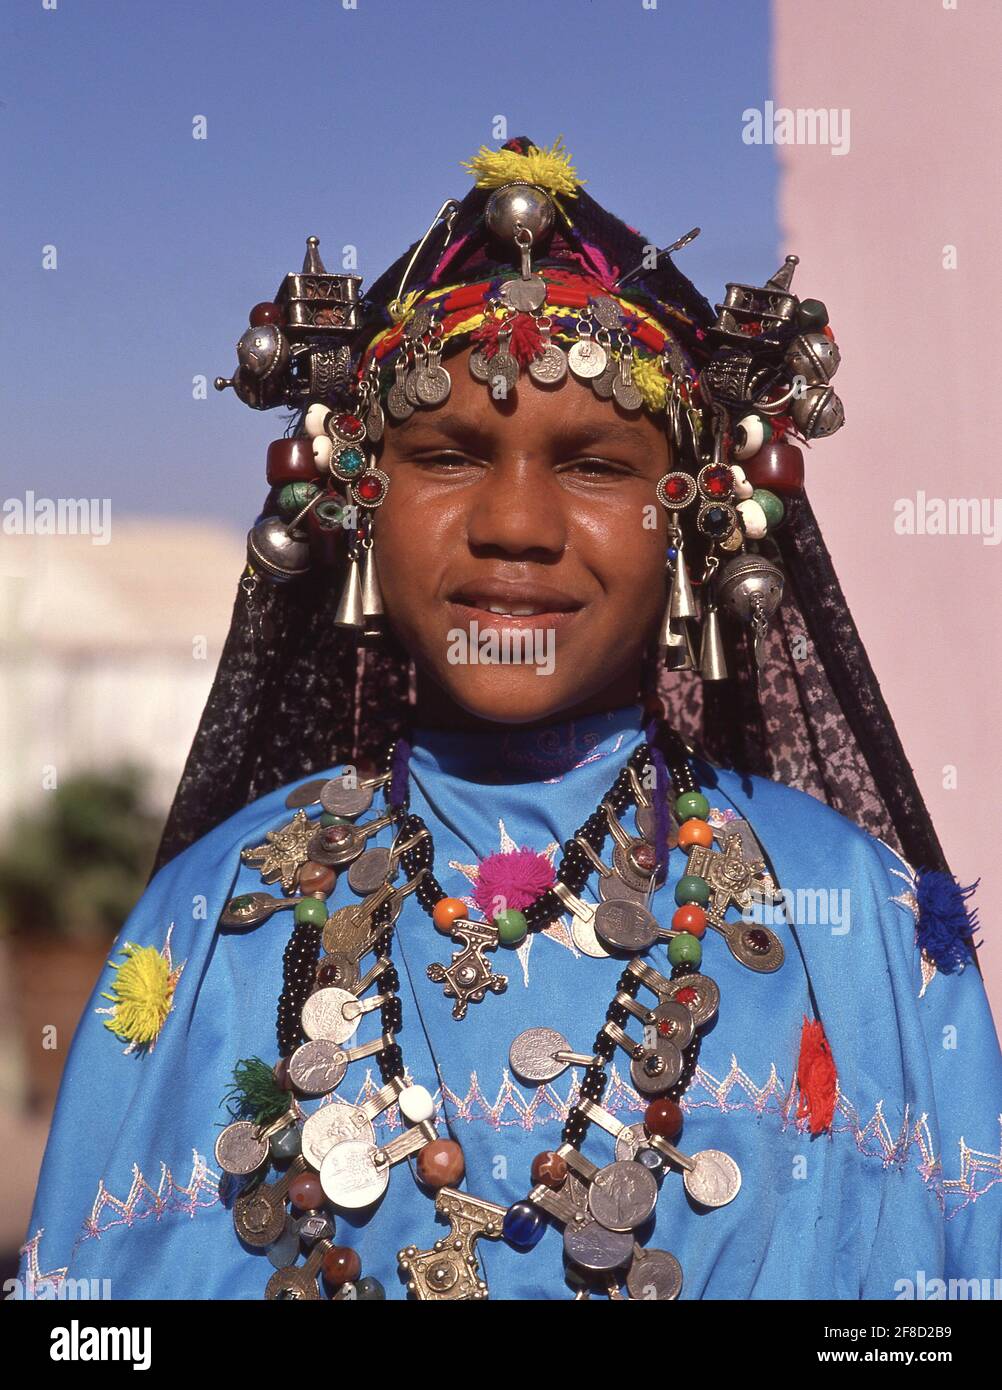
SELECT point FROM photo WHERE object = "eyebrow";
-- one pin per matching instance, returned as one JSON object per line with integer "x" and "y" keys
{"x": 464, "y": 429}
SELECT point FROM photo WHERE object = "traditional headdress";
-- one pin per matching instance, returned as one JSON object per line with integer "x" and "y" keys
{"x": 530, "y": 271}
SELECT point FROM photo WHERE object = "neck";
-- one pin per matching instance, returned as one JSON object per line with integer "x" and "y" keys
{"x": 435, "y": 708}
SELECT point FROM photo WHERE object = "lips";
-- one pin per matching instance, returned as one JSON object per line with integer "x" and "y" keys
{"x": 511, "y": 604}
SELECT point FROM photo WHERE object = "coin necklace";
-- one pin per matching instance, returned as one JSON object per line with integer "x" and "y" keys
{"x": 352, "y": 1172}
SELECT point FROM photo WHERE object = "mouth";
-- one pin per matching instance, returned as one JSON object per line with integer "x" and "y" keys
{"x": 499, "y": 605}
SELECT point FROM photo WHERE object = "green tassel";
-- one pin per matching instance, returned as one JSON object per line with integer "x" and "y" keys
{"x": 255, "y": 1094}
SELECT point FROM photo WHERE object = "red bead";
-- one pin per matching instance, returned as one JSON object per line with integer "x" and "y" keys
{"x": 348, "y": 425}
{"x": 368, "y": 489}
{"x": 305, "y": 1192}
{"x": 334, "y": 836}
{"x": 663, "y": 1117}
{"x": 291, "y": 461}
{"x": 441, "y": 1163}
{"x": 677, "y": 488}
{"x": 266, "y": 313}
{"x": 690, "y": 918}
{"x": 778, "y": 466}
{"x": 549, "y": 1168}
{"x": 316, "y": 878}
{"x": 341, "y": 1266}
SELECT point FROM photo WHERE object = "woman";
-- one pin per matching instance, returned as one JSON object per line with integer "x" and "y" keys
{"x": 639, "y": 1021}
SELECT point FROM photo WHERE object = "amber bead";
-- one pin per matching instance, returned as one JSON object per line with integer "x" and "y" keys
{"x": 691, "y": 918}
{"x": 695, "y": 832}
{"x": 441, "y": 1163}
{"x": 317, "y": 878}
{"x": 341, "y": 1265}
{"x": 305, "y": 1192}
{"x": 663, "y": 1117}
{"x": 291, "y": 460}
{"x": 778, "y": 465}
{"x": 447, "y": 911}
{"x": 266, "y": 312}
{"x": 549, "y": 1168}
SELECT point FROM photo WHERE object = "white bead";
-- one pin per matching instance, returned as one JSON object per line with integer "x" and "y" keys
{"x": 416, "y": 1104}
{"x": 742, "y": 487}
{"x": 323, "y": 450}
{"x": 316, "y": 418}
{"x": 754, "y": 436}
{"x": 754, "y": 519}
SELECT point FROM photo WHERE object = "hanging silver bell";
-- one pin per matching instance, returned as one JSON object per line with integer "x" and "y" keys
{"x": 350, "y": 610}
{"x": 681, "y": 599}
{"x": 519, "y": 204}
{"x": 676, "y": 645}
{"x": 815, "y": 357}
{"x": 281, "y": 553}
{"x": 818, "y": 412}
{"x": 263, "y": 352}
{"x": 712, "y": 657}
{"x": 372, "y": 594}
{"x": 749, "y": 584}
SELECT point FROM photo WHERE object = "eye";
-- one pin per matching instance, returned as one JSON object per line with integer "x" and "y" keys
{"x": 446, "y": 459}
{"x": 597, "y": 467}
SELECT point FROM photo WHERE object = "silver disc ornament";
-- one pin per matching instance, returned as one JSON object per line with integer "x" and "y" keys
{"x": 341, "y": 971}
{"x": 323, "y": 1015}
{"x": 622, "y": 1195}
{"x": 502, "y": 367}
{"x": 292, "y": 1284}
{"x": 550, "y": 367}
{"x": 656, "y": 1070}
{"x": 258, "y": 1217}
{"x": 369, "y": 871}
{"x": 480, "y": 367}
{"x": 240, "y": 1150}
{"x": 630, "y": 1139}
{"x": 626, "y": 395}
{"x": 636, "y": 863}
{"x": 611, "y": 887}
{"x": 755, "y": 946}
{"x": 433, "y": 385}
{"x": 334, "y": 845}
{"x": 671, "y": 1021}
{"x": 715, "y": 1179}
{"x": 350, "y": 1176}
{"x": 700, "y": 996}
{"x": 525, "y": 295}
{"x": 532, "y": 1057}
{"x": 251, "y": 909}
{"x": 587, "y": 358}
{"x": 316, "y": 1067}
{"x": 626, "y": 926}
{"x": 306, "y": 794}
{"x": 603, "y": 383}
{"x": 340, "y": 798}
{"x": 655, "y": 1275}
{"x": 592, "y": 1247}
{"x": 333, "y": 1124}
{"x": 584, "y": 938}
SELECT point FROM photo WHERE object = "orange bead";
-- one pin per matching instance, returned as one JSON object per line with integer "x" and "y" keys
{"x": 441, "y": 1164}
{"x": 695, "y": 832}
{"x": 690, "y": 918}
{"x": 446, "y": 911}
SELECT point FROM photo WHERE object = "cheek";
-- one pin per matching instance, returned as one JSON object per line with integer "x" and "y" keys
{"x": 414, "y": 535}
{"x": 624, "y": 544}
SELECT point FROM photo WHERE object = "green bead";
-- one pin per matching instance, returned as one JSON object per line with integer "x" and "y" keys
{"x": 328, "y": 819}
{"x": 770, "y": 504}
{"x": 691, "y": 804}
{"x": 692, "y": 889}
{"x": 294, "y": 497}
{"x": 512, "y": 926}
{"x": 311, "y": 910}
{"x": 685, "y": 949}
{"x": 812, "y": 314}
{"x": 350, "y": 461}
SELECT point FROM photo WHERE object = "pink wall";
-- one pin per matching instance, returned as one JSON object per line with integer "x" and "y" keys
{"x": 920, "y": 372}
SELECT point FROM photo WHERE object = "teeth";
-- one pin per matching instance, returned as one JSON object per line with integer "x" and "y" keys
{"x": 513, "y": 611}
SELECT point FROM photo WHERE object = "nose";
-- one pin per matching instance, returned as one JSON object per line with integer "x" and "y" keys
{"x": 518, "y": 509}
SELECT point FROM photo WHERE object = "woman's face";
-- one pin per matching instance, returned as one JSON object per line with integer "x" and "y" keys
{"x": 521, "y": 548}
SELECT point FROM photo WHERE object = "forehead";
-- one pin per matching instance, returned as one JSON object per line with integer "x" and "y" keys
{"x": 569, "y": 411}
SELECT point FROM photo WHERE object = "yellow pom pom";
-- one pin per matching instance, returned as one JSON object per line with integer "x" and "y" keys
{"x": 649, "y": 380}
{"x": 400, "y": 308}
{"x": 548, "y": 169}
{"x": 142, "y": 994}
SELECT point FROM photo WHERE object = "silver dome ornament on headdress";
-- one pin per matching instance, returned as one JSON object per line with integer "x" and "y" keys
{"x": 263, "y": 352}
{"x": 815, "y": 357}
{"x": 818, "y": 412}
{"x": 278, "y": 549}
{"x": 751, "y": 589}
{"x": 518, "y": 205}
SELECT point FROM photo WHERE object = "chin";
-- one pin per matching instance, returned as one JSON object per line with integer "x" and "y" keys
{"x": 502, "y": 695}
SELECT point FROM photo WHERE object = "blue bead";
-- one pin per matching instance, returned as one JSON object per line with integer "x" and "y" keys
{"x": 523, "y": 1226}
{"x": 672, "y": 552}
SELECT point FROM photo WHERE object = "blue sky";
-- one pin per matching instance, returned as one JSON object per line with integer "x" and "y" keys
{"x": 344, "y": 123}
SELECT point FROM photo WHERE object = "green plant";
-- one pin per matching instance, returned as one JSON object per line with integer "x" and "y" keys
{"x": 75, "y": 866}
